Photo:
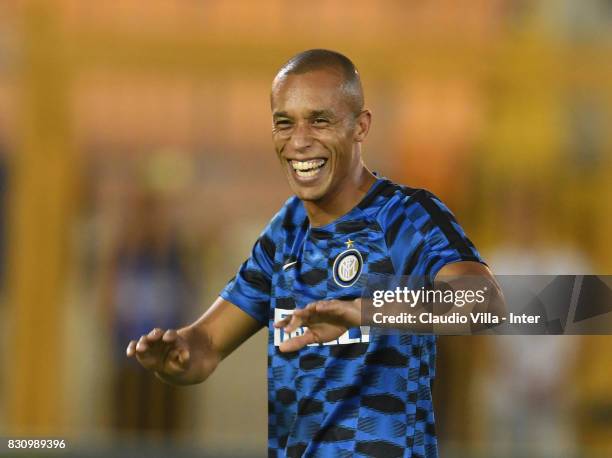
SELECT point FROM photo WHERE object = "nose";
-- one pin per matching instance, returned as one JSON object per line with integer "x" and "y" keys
{"x": 301, "y": 138}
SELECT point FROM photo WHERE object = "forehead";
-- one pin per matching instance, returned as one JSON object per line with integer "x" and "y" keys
{"x": 315, "y": 90}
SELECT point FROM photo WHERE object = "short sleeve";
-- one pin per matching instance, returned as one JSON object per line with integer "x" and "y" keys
{"x": 250, "y": 288}
{"x": 423, "y": 236}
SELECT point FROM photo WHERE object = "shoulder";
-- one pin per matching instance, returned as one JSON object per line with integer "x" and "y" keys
{"x": 402, "y": 202}
{"x": 421, "y": 232}
{"x": 278, "y": 230}
{"x": 290, "y": 217}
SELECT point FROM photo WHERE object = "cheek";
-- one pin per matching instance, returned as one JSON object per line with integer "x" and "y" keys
{"x": 279, "y": 145}
{"x": 344, "y": 150}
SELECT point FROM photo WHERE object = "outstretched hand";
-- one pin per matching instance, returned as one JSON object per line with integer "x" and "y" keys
{"x": 161, "y": 351}
{"x": 325, "y": 321}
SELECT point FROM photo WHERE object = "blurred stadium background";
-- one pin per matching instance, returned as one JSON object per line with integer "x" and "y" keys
{"x": 136, "y": 169}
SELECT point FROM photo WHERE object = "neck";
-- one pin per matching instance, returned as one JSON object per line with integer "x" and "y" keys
{"x": 341, "y": 200}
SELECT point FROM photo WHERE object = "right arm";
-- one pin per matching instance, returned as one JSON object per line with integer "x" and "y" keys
{"x": 189, "y": 355}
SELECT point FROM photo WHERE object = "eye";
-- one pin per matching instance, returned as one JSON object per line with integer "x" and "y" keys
{"x": 282, "y": 124}
{"x": 320, "y": 122}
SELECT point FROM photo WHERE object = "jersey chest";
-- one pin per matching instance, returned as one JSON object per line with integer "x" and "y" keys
{"x": 325, "y": 266}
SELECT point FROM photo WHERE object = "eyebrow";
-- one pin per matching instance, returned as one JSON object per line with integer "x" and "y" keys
{"x": 323, "y": 113}
{"x": 312, "y": 114}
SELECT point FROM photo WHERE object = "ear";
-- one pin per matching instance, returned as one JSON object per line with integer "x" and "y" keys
{"x": 362, "y": 126}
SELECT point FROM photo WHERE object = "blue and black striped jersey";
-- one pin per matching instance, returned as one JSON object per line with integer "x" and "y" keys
{"x": 365, "y": 394}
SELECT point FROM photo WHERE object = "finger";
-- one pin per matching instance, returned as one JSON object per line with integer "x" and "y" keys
{"x": 178, "y": 361}
{"x": 170, "y": 336}
{"x": 148, "y": 356}
{"x": 131, "y": 349}
{"x": 309, "y": 309}
{"x": 320, "y": 307}
{"x": 155, "y": 335}
{"x": 305, "y": 316}
{"x": 296, "y": 343}
{"x": 183, "y": 356}
{"x": 313, "y": 305}
{"x": 329, "y": 308}
{"x": 283, "y": 322}
{"x": 301, "y": 313}
{"x": 346, "y": 313}
{"x": 295, "y": 322}
{"x": 141, "y": 345}
{"x": 302, "y": 317}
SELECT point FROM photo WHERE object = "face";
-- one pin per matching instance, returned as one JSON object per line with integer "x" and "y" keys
{"x": 315, "y": 132}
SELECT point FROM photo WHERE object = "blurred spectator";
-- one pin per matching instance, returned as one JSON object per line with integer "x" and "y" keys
{"x": 148, "y": 285}
{"x": 528, "y": 389}
{"x": 3, "y": 216}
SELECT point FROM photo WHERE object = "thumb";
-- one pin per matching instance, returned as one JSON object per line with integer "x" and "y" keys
{"x": 178, "y": 360}
{"x": 183, "y": 355}
{"x": 298, "y": 342}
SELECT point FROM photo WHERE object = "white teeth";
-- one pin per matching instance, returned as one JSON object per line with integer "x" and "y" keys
{"x": 309, "y": 173}
{"x": 307, "y": 165}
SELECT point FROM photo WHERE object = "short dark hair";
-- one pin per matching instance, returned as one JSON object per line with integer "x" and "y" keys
{"x": 324, "y": 59}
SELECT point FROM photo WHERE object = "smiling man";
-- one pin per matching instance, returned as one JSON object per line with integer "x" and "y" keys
{"x": 333, "y": 389}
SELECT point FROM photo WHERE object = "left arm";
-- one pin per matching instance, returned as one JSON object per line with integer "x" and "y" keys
{"x": 328, "y": 320}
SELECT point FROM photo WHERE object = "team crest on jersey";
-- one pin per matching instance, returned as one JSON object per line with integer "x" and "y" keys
{"x": 347, "y": 267}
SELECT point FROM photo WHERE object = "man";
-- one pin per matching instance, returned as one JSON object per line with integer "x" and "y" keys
{"x": 355, "y": 395}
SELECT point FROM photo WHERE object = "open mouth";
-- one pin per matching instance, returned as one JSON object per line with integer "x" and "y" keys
{"x": 307, "y": 169}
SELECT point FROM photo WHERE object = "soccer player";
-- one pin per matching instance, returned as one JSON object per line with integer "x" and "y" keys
{"x": 333, "y": 390}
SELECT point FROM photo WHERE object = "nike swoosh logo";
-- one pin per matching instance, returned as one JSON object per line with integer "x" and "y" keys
{"x": 289, "y": 264}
